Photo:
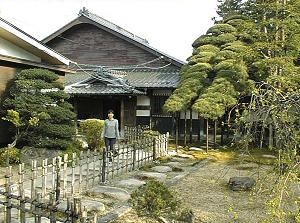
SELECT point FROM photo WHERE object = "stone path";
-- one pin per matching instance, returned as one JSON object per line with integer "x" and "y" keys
{"x": 109, "y": 200}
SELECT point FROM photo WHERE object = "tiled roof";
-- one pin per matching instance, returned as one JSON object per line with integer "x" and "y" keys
{"x": 153, "y": 79}
{"x": 111, "y": 25}
{"x": 138, "y": 78}
{"x": 100, "y": 89}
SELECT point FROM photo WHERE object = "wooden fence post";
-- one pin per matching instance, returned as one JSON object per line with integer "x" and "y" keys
{"x": 21, "y": 193}
{"x": 134, "y": 156}
{"x": 8, "y": 192}
{"x": 57, "y": 186}
{"x": 44, "y": 177}
{"x": 80, "y": 171}
{"x": 38, "y": 218}
{"x": 65, "y": 175}
{"x": 33, "y": 179}
{"x": 104, "y": 165}
{"x": 73, "y": 174}
{"x": 52, "y": 203}
{"x": 154, "y": 147}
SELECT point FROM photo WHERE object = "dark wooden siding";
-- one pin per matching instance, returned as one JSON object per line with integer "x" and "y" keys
{"x": 87, "y": 44}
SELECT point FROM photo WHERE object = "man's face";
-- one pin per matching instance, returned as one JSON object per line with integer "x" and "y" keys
{"x": 110, "y": 115}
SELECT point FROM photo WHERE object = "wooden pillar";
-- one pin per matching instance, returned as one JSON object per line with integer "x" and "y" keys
{"x": 184, "y": 127}
{"x": 122, "y": 117}
{"x": 191, "y": 125}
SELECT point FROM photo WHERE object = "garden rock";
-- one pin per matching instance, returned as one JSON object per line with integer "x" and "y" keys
{"x": 114, "y": 192}
{"x": 131, "y": 183}
{"x": 152, "y": 176}
{"x": 162, "y": 169}
{"x": 90, "y": 205}
{"x": 241, "y": 183}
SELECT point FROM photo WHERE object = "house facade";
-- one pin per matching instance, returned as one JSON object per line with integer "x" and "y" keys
{"x": 19, "y": 50}
{"x": 116, "y": 70}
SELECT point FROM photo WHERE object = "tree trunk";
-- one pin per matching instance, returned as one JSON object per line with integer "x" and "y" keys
{"x": 191, "y": 125}
{"x": 199, "y": 132}
{"x": 270, "y": 136}
{"x": 215, "y": 133}
{"x": 185, "y": 128}
{"x": 207, "y": 135}
{"x": 176, "y": 137}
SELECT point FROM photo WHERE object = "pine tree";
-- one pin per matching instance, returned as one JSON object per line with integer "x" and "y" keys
{"x": 36, "y": 92}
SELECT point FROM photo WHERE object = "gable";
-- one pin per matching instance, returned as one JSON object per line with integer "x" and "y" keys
{"x": 88, "y": 44}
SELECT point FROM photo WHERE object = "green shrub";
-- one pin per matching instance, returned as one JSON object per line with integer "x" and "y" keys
{"x": 154, "y": 199}
{"x": 14, "y": 155}
{"x": 92, "y": 129}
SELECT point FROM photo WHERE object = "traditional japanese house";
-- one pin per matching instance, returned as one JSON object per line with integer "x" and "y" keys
{"x": 19, "y": 50}
{"x": 116, "y": 70}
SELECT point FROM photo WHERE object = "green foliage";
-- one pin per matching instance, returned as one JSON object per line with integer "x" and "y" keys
{"x": 47, "y": 119}
{"x": 13, "y": 117}
{"x": 92, "y": 130}
{"x": 13, "y": 153}
{"x": 154, "y": 199}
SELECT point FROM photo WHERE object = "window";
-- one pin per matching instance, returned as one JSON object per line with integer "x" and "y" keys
{"x": 157, "y": 105}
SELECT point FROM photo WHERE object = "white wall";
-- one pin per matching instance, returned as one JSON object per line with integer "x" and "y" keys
{"x": 143, "y": 101}
{"x": 194, "y": 115}
{"x": 9, "y": 49}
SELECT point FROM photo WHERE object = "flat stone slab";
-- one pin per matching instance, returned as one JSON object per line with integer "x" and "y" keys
{"x": 114, "y": 192}
{"x": 90, "y": 205}
{"x": 161, "y": 169}
{"x": 131, "y": 183}
{"x": 196, "y": 149}
{"x": 269, "y": 156}
{"x": 172, "y": 153}
{"x": 43, "y": 220}
{"x": 241, "y": 183}
{"x": 185, "y": 156}
{"x": 173, "y": 164}
{"x": 151, "y": 176}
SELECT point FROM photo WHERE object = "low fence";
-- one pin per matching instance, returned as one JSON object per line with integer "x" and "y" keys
{"x": 65, "y": 178}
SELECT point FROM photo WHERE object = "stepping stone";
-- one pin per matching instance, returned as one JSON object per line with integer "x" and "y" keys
{"x": 151, "y": 176}
{"x": 172, "y": 153}
{"x": 113, "y": 192}
{"x": 90, "y": 205}
{"x": 196, "y": 149}
{"x": 269, "y": 156}
{"x": 162, "y": 169}
{"x": 131, "y": 183}
{"x": 186, "y": 156}
{"x": 173, "y": 164}
{"x": 241, "y": 183}
{"x": 43, "y": 220}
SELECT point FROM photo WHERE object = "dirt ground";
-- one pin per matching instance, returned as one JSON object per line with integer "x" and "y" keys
{"x": 206, "y": 191}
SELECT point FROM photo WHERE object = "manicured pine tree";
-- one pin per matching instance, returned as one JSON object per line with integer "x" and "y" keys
{"x": 37, "y": 93}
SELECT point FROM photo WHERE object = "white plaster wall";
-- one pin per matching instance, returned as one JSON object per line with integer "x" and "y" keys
{"x": 194, "y": 115}
{"x": 9, "y": 49}
{"x": 143, "y": 100}
{"x": 145, "y": 113}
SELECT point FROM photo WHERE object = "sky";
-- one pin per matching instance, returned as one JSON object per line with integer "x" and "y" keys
{"x": 169, "y": 25}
